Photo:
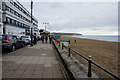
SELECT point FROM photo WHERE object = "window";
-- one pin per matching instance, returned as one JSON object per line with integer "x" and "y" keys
{"x": 22, "y": 25}
{"x": 16, "y": 5}
{"x": 20, "y": 8}
{"x": 7, "y": 19}
{"x": 7, "y": 8}
{"x": 11, "y": 2}
{"x": 18, "y": 15}
{"x": 12, "y": 11}
{"x": 14, "y": 37}
{"x": 13, "y": 22}
{"x": 17, "y": 23}
{"x": 10, "y": 20}
{"x": 15, "y": 13}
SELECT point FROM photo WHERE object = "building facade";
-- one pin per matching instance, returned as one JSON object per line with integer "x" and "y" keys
{"x": 16, "y": 19}
{"x": 1, "y": 24}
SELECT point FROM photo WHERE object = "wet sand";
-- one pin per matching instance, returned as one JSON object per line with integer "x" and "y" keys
{"x": 104, "y": 53}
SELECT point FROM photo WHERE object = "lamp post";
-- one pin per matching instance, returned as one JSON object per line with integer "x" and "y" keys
{"x": 45, "y": 25}
{"x": 31, "y": 44}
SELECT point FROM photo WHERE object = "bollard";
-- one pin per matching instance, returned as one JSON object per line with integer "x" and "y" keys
{"x": 59, "y": 44}
{"x": 69, "y": 51}
{"x": 69, "y": 41}
{"x": 89, "y": 67}
{"x": 62, "y": 46}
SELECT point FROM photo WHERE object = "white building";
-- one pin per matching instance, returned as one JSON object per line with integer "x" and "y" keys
{"x": 1, "y": 25}
{"x": 16, "y": 19}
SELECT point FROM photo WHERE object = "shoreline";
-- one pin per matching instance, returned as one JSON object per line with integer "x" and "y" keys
{"x": 104, "y": 53}
{"x": 94, "y": 38}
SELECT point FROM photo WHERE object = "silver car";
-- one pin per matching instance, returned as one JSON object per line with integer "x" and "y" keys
{"x": 27, "y": 39}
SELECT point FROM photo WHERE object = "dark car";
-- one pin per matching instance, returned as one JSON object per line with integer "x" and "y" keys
{"x": 11, "y": 42}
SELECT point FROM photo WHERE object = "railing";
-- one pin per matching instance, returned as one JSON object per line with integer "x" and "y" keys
{"x": 68, "y": 73}
{"x": 89, "y": 62}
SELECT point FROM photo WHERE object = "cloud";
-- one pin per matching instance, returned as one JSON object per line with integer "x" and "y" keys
{"x": 77, "y": 17}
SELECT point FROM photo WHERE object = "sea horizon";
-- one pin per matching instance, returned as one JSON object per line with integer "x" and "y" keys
{"x": 113, "y": 38}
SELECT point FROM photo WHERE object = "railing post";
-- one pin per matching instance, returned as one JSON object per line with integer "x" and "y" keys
{"x": 69, "y": 41}
{"x": 89, "y": 67}
{"x": 62, "y": 46}
{"x": 59, "y": 43}
{"x": 69, "y": 51}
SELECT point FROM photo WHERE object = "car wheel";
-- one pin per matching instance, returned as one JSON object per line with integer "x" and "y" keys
{"x": 23, "y": 44}
{"x": 13, "y": 48}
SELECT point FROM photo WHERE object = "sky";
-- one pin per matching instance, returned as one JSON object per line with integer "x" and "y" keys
{"x": 87, "y": 18}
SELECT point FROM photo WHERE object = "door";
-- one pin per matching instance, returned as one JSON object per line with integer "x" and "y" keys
{"x": 16, "y": 41}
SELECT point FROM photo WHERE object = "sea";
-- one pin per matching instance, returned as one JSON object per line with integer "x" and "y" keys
{"x": 114, "y": 38}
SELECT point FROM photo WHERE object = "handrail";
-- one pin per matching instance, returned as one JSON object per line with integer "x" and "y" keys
{"x": 79, "y": 54}
{"x": 116, "y": 77}
{"x": 110, "y": 73}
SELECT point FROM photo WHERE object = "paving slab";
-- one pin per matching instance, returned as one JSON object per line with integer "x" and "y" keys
{"x": 38, "y": 61}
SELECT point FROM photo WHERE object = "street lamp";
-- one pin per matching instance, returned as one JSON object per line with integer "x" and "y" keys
{"x": 45, "y": 25}
{"x": 31, "y": 44}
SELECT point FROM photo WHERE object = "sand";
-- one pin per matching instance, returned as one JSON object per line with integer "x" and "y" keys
{"x": 104, "y": 53}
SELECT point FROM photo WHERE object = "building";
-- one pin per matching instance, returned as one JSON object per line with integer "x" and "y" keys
{"x": 17, "y": 19}
{"x": 1, "y": 24}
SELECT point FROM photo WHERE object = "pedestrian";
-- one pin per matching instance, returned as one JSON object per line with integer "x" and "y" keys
{"x": 74, "y": 41}
{"x": 35, "y": 38}
{"x": 50, "y": 39}
{"x": 46, "y": 38}
{"x": 42, "y": 38}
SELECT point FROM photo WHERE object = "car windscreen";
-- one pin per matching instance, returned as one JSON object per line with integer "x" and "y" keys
{"x": 25, "y": 37}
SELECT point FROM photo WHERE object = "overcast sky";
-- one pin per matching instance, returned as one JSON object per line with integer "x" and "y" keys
{"x": 87, "y": 18}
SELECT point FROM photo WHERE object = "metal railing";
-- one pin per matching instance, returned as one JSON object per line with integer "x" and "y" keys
{"x": 89, "y": 62}
{"x": 69, "y": 75}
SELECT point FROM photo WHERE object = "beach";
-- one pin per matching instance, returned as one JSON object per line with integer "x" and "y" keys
{"x": 104, "y": 53}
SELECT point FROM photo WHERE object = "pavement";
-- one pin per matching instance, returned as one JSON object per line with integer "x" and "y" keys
{"x": 38, "y": 61}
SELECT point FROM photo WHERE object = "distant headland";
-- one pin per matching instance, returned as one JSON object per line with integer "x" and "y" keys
{"x": 67, "y": 34}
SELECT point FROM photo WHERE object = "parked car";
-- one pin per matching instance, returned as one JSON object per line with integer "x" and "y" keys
{"x": 26, "y": 39}
{"x": 11, "y": 42}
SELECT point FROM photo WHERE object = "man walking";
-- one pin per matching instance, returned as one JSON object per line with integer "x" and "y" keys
{"x": 46, "y": 38}
{"x": 42, "y": 38}
{"x": 35, "y": 39}
{"x": 50, "y": 39}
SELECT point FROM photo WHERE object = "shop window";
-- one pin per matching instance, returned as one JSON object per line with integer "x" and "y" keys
{"x": 13, "y": 22}
{"x": 8, "y": 20}
{"x": 16, "y": 23}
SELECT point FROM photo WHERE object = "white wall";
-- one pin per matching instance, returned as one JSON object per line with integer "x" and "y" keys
{"x": 14, "y": 30}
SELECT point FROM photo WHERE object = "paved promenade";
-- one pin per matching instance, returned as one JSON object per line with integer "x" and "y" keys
{"x": 38, "y": 61}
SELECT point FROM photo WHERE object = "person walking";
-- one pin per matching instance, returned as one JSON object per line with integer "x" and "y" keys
{"x": 50, "y": 39}
{"x": 46, "y": 38}
{"x": 35, "y": 38}
{"x": 42, "y": 38}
